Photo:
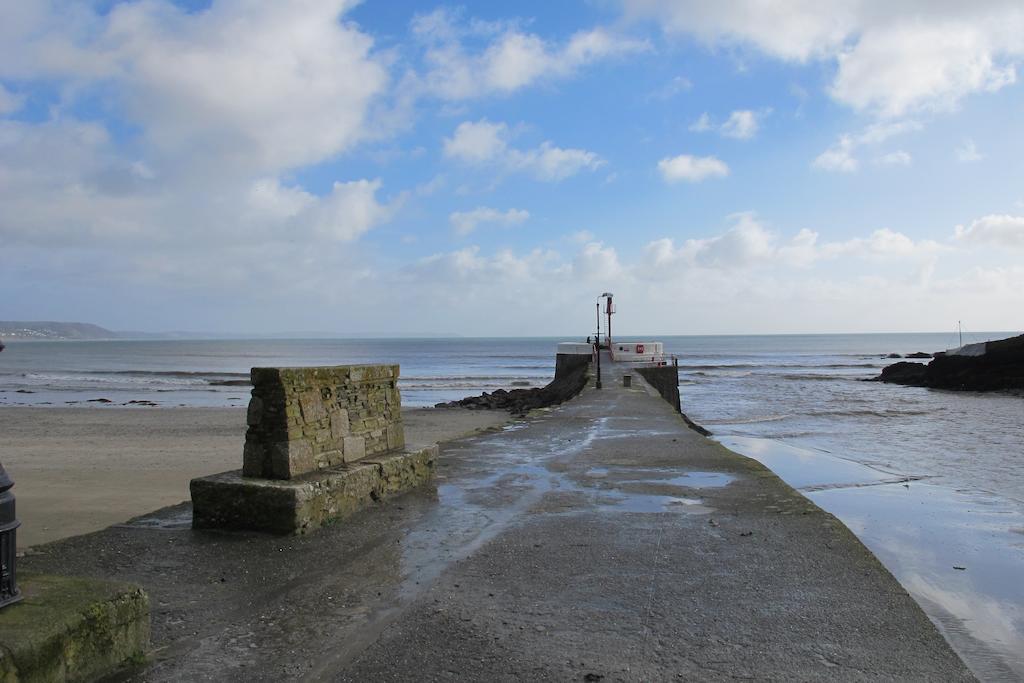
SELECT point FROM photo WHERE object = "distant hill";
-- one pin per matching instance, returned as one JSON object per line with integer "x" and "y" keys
{"x": 25, "y": 330}
{"x": 37, "y": 329}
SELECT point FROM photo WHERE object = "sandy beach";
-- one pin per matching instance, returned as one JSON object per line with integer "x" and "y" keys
{"x": 78, "y": 470}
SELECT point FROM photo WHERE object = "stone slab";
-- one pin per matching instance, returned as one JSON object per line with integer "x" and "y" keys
{"x": 299, "y": 506}
{"x": 72, "y": 629}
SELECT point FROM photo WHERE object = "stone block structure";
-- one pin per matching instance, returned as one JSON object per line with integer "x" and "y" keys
{"x": 322, "y": 443}
{"x": 307, "y": 419}
{"x": 664, "y": 378}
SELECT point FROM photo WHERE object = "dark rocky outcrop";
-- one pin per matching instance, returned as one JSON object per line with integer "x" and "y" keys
{"x": 1000, "y": 367}
{"x": 905, "y": 372}
{"x": 918, "y": 354}
{"x": 520, "y": 401}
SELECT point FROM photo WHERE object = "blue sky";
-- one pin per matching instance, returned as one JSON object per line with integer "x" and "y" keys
{"x": 485, "y": 168}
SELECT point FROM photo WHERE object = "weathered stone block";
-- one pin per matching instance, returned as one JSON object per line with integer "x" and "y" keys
{"x": 299, "y": 506}
{"x": 354, "y": 448}
{"x": 396, "y": 436}
{"x": 254, "y": 460}
{"x": 290, "y": 459}
{"x": 72, "y": 629}
{"x": 339, "y": 424}
{"x": 321, "y": 414}
{"x": 312, "y": 406}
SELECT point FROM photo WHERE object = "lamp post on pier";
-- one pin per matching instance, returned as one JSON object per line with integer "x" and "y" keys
{"x": 9, "y": 592}
{"x": 597, "y": 343}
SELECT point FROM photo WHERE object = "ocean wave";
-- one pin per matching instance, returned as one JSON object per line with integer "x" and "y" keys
{"x": 723, "y": 374}
{"x": 470, "y": 387}
{"x": 813, "y": 377}
{"x": 751, "y": 420}
{"x": 868, "y": 413}
{"x": 773, "y": 365}
{"x": 473, "y": 378}
{"x": 58, "y": 381}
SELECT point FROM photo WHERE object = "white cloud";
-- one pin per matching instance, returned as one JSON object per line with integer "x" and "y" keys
{"x": 466, "y": 222}
{"x": 596, "y": 262}
{"x": 511, "y": 60}
{"x": 883, "y": 243}
{"x": 841, "y": 155}
{"x": 483, "y": 142}
{"x": 883, "y": 130}
{"x": 551, "y": 163}
{"x": 742, "y": 124}
{"x": 226, "y": 101}
{"x": 897, "y": 158}
{"x": 691, "y": 169}
{"x": 1002, "y": 230}
{"x": 476, "y": 142}
{"x": 910, "y": 65}
{"x": 891, "y": 58}
{"x": 748, "y": 243}
{"x": 741, "y": 279}
{"x": 968, "y": 152}
{"x": 677, "y": 85}
{"x": 204, "y": 86}
{"x": 63, "y": 183}
{"x": 745, "y": 243}
{"x": 9, "y": 102}
{"x": 838, "y": 157}
{"x": 702, "y": 124}
{"x": 347, "y": 212}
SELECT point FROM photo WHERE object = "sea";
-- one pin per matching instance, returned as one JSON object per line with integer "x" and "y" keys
{"x": 932, "y": 481}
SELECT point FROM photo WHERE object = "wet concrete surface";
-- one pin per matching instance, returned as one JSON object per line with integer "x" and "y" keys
{"x": 599, "y": 540}
{"x": 960, "y": 553}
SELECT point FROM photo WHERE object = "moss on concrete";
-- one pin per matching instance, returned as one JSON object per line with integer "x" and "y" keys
{"x": 72, "y": 629}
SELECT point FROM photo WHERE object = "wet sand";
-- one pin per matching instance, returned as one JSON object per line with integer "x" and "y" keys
{"x": 78, "y": 470}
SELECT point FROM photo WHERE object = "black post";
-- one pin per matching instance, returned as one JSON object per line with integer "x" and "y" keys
{"x": 597, "y": 345}
{"x": 9, "y": 523}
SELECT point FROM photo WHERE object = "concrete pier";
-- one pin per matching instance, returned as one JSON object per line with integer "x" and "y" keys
{"x": 600, "y": 540}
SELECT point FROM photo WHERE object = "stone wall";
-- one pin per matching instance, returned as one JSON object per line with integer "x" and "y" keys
{"x": 665, "y": 379}
{"x": 303, "y": 420}
{"x": 566, "y": 363}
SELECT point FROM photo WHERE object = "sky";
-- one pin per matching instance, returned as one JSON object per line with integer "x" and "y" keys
{"x": 484, "y": 169}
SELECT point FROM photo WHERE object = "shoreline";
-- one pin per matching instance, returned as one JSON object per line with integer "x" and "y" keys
{"x": 78, "y": 470}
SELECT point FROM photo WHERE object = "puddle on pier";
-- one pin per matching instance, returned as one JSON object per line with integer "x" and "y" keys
{"x": 958, "y": 553}
{"x": 638, "y": 502}
{"x": 177, "y": 518}
{"x": 691, "y": 479}
{"x": 624, "y": 489}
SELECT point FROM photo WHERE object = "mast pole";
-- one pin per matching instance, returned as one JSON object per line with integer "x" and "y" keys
{"x": 608, "y": 310}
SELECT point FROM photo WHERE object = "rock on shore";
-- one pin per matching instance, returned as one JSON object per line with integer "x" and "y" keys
{"x": 999, "y": 365}
{"x": 521, "y": 401}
